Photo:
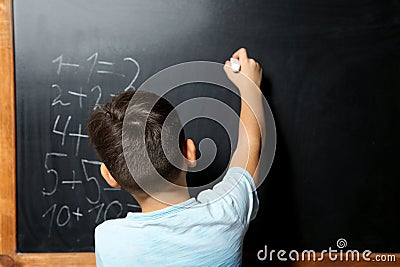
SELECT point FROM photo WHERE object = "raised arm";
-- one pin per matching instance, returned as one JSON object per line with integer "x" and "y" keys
{"x": 252, "y": 123}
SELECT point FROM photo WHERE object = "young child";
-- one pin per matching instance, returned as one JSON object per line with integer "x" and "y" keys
{"x": 186, "y": 231}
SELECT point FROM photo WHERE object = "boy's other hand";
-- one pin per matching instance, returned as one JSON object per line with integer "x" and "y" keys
{"x": 248, "y": 66}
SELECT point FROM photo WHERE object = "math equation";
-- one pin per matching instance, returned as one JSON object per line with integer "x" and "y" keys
{"x": 73, "y": 189}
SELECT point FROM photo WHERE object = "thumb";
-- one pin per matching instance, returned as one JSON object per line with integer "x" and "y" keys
{"x": 229, "y": 72}
{"x": 228, "y": 68}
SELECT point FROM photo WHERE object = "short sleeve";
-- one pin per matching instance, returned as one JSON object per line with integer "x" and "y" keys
{"x": 236, "y": 191}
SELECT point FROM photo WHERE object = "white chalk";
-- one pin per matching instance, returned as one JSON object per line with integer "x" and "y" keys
{"x": 235, "y": 64}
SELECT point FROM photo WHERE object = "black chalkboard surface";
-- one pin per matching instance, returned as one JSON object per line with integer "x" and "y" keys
{"x": 332, "y": 78}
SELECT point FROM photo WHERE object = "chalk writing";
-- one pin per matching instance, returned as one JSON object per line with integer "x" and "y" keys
{"x": 71, "y": 172}
{"x": 63, "y": 64}
{"x": 57, "y": 99}
{"x": 52, "y": 171}
{"x": 79, "y": 94}
{"x": 63, "y": 133}
{"x": 130, "y": 85}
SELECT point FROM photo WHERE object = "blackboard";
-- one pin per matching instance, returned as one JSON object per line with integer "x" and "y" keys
{"x": 332, "y": 79}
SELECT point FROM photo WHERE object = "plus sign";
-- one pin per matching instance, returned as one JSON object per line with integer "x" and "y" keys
{"x": 77, "y": 213}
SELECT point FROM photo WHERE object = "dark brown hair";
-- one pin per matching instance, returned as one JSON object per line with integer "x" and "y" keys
{"x": 106, "y": 134}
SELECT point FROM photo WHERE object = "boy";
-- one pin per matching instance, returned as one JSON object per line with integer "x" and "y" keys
{"x": 185, "y": 231}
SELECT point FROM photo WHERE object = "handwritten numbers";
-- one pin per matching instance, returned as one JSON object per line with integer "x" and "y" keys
{"x": 91, "y": 179}
{"x": 99, "y": 208}
{"x": 80, "y": 86}
{"x": 94, "y": 57}
{"x": 52, "y": 209}
{"x": 115, "y": 203}
{"x": 61, "y": 64}
{"x": 98, "y": 88}
{"x": 130, "y": 86}
{"x": 49, "y": 193}
{"x": 63, "y": 133}
{"x": 63, "y": 220}
{"x": 102, "y": 67}
{"x": 57, "y": 99}
{"x": 53, "y": 171}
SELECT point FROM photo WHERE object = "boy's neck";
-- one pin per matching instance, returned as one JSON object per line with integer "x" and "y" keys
{"x": 149, "y": 204}
{"x": 165, "y": 199}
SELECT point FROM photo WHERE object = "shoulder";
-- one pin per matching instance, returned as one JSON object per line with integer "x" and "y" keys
{"x": 109, "y": 223}
{"x": 104, "y": 230}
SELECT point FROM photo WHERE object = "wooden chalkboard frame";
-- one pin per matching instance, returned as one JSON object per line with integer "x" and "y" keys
{"x": 8, "y": 220}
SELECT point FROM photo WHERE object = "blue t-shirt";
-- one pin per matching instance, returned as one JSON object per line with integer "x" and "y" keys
{"x": 203, "y": 231}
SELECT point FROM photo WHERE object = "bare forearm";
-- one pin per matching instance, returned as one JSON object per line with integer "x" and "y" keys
{"x": 251, "y": 124}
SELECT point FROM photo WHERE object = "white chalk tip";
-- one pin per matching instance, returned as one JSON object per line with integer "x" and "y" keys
{"x": 235, "y": 64}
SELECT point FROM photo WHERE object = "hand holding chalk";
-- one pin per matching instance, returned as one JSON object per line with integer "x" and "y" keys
{"x": 248, "y": 67}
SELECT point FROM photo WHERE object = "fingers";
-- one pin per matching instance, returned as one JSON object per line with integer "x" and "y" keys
{"x": 227, "y": 67}
{"x": 254, "y": 63}
{"x": 249, "y": 67}
{"x": 241, "y": 54}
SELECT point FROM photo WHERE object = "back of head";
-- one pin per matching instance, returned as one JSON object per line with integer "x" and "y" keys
{"x": 146, "y": 115}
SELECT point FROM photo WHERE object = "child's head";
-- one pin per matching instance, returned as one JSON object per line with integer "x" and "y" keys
{"x": 106, "y": 131}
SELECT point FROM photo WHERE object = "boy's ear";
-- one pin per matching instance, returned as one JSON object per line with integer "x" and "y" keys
{"x": 108, "y": 177}
{"x": 190, "y": 152}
